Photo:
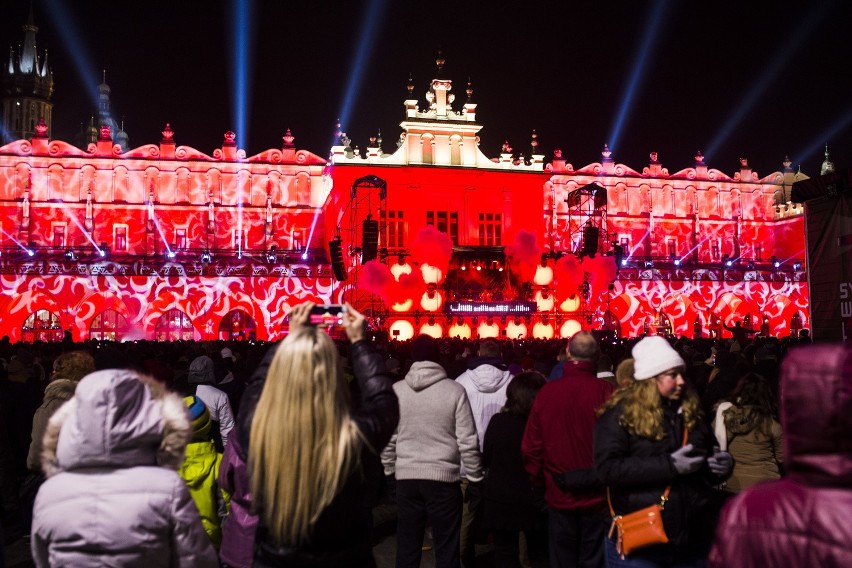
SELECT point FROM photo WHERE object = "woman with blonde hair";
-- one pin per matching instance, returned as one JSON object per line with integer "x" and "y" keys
{"x": 650, "y": 437}
{"x": 313, "y": 457}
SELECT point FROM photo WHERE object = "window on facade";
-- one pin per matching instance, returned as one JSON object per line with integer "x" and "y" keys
{"x": 120, "y": 238}
{"x": 240, "y": 242}
{"x": 446, "y": 222}
{"x": 109, "y": 325}
{"x": 490, "y": 228}
{"x": 671, "y": 246}
{"x": 174, "y": 325}
{"x": 758, "y": 251}
{"x": 180, "y": 239}
{"x": 714, "y": 250}
{"x": 59, "y": 236}
{"x": 42, "y": 325}
{"x": 394, "y": 228}
{"x": 237, "y": 325}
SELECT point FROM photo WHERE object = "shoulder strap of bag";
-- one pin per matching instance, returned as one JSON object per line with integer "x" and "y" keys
{"x": 664, "y": 497}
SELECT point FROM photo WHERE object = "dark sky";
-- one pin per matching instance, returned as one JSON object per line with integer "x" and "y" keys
{"x": 755, "y": 79}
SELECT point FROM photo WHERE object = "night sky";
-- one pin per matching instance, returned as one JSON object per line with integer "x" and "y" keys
{"x": 755, "y": 79}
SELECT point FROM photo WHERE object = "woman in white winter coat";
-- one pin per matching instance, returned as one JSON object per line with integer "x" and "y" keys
{"x": 113, "y": 496}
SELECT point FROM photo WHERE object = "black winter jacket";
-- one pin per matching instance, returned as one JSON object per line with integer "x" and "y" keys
{"x": 341, "y": 535}
{"x": 637, "y": 470}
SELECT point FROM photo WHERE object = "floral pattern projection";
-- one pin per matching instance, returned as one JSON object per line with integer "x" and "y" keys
{"x": 635, "y": 303}
{"x": 142, "y": 300}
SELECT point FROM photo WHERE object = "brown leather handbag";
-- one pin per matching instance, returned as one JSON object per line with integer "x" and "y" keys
{"x": 641, "y": 528}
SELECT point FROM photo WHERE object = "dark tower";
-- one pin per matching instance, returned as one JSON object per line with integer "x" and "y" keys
{"x": 27, "y": 89}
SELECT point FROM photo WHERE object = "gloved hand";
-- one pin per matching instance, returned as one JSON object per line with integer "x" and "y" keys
{"x": 473, "y": 495}
{"x": 685, "y": 463}
{"x": 721, "y": 463}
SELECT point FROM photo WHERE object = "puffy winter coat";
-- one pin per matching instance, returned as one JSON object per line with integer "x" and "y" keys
{"x": 754, "y": 441}
{"x": 803, "y": 519}
{"x": 113, "y": 496}
{"x": 238, "y": 530}
{"x": 200, "y": 471}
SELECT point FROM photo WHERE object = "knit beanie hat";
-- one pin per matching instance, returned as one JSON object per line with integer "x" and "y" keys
{"x": 425, "y": 348}
{"x": 652, "y": 356}
{"x": 199, "y": 418}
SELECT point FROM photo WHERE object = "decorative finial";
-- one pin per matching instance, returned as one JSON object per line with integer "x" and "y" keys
{"x": 743, "y": 162}
{"x": 168, "y": 133}
{"x": 338, "y": 133}
{"x": 655, "y": 158}
{"x": 557, "y": 153}
{"x": 288, "y": 139}
{"x": 230, "y": 138}
{"x": 379, "y": 140}
{"x": 104, "y": 81}
{"x": 410, "y": 85}
{"x": 787, "y": 163}
{"x": 534, "y": 141}
{"x": 41, "y": 128}
{"x": 699, "y": 158}
{"x": 469, "y": 90}
{"x": 440, "y": 61}
{"x": 506, "y": 149}
{"x": 606, "y": 153}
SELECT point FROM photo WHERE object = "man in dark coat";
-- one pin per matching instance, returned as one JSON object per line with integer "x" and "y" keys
{"x": 557, "y": 447}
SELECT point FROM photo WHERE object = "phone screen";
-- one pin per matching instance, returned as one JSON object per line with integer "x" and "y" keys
{"x": 328, "y": 314}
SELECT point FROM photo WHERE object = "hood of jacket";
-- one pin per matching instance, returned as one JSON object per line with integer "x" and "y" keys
{"x": 59, "y": 390}
{"x": 816, "y": 414}
{"x": 489, "y": 375}
{"x": 424, "y": 374}
{"x": 118, "y": 419}
{"x": 742, "y": 419}
{"x": 201, "y": 371}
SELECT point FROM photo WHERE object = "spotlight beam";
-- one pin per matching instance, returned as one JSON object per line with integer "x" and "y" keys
{"x": 767, "y": 77}
{"x": 832, "y": 131}
{"x": 242, "y": 54}
{"x": 643, "y": 55}
{"x": 373, "y": 16}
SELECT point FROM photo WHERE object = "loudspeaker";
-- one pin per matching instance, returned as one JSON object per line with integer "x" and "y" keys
{"x": 590, "y": 240}
{"x": 369, "y": 239}
{"x": 335, "y": 252}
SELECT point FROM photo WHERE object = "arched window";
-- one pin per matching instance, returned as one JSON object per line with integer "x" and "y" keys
{"x": 109, "y": 325}
{"x": 174, "y": 325}
{"x": 41, "y": 326}
{"x": 237, "y": 325}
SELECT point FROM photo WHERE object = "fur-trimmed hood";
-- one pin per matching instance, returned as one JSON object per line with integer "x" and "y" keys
{"x": 116, "y": 418}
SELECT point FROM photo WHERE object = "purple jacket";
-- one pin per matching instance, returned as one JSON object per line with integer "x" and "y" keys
{"x": 803, "y": 519}
{"x": 237, "y": 548}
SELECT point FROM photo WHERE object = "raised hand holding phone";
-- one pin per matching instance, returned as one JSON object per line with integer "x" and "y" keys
{"x": 354, "y": 323}
{"x": 300, "y": 316}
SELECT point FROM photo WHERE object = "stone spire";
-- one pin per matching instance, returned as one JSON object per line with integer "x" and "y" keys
{"x": 827, "y": 165}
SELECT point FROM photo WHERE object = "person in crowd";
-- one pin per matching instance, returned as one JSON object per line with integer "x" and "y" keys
{"x": 651, "y": 436}
{"x": 605, "y": 370}
{"x": 112, "y": 495}
{"x": 200, "y": 470}
{"x": 68, "y": 369}
{"x": 435, "y": 437}
{"x": 557, "y": 450}
{"x": 309, "y": 450}
{"x": 561, "y": 358}
{"x": 748, "y": 427}
{"x": 485, "y": 382}
{"x": 229, "y": 383}
{"x": 238, "y": 529}
{"x": 201, "y": 377}
{"x": 803, "y": 518}
{"x": 624, "y": 373}
{"x": 510, "y": 502}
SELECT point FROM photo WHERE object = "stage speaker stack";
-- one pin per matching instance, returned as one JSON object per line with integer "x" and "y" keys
{"x": 369, "y": 239}
{"x": 335, "y": 251}
{"x": 590, "y": 240}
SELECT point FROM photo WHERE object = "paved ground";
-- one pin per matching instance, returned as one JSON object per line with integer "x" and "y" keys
{"x": 18, "y": 551}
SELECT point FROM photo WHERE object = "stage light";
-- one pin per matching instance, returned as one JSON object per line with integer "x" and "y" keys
{"x": 649, "y": 264}
{"x": 270, "y": 257}
{"x": 170, "y": 254}
{"x": 30, "y": 252}
{"x": 726, "y": 261}
{"x": 69, "y": 255}
{"x": 677, "y": 262}
{"x": 206, "y": 257}
{"x": 797, "y": 266}
{"x": 305, "y": 255}
{"x": 103, "y": 251}
{"x": 750, "y": 265}
{"x": 623, "y": 262}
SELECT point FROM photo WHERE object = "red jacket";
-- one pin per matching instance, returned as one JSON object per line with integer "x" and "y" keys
{"x": 803, "y": 519}
{"x": 559, "y": 433}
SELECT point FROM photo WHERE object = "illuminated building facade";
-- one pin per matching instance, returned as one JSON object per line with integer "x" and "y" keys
{"x": 164, "y": 241}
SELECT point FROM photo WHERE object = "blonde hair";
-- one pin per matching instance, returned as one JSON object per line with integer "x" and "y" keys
{"x": 303, "y": 442}
{"x": 642, "y": 409}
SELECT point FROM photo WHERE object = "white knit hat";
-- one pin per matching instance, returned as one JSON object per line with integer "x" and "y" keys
{"x": 652, "y": 356}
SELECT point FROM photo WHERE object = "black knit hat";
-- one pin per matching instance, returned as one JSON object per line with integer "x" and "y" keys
{"x": 425, "y": 348}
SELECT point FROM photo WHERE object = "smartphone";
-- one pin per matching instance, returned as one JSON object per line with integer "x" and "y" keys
{"x": 328, "y": 314}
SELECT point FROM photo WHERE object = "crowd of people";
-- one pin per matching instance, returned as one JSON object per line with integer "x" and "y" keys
{"x": 251, "y": 454}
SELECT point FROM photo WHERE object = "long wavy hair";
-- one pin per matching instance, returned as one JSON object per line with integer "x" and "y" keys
{"x": 303, "y": 441}
{"x": 642, "y": 409}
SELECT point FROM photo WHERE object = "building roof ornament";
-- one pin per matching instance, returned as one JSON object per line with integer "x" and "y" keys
{"x": 827, "y": 165}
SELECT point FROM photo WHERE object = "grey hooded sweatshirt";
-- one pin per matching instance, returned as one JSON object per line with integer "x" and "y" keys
{"x": 113, "y": 496}
{"x": 436, "y": 432}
